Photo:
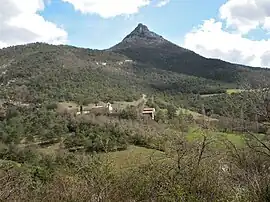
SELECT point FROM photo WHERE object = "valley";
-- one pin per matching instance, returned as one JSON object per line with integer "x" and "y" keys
{"x": 72, "y": 126}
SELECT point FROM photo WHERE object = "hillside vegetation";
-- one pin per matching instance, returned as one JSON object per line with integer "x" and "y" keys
{"x": 151, "y": 49}
{"x": 59, "y": 141}
{"x": 40, "y": 72}
{"x": 51, "y": 156}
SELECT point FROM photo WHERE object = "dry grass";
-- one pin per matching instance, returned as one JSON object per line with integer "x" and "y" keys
{"x": 50, "y": 150}
{"x": 70, "y": 106}
{"x": 231, "y": 91}
{"x": 133, "y": 157}
{"x": 195, "y": 115}
{"x": 218, "y": 137}
{"x": 119, "y": 105}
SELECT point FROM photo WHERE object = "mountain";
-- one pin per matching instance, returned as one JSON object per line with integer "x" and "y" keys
{"x": 144, "y": 62}
{"x": 41, "y": 72}
{"x": 149, "y": 48}
{"x": 142, "y": 37}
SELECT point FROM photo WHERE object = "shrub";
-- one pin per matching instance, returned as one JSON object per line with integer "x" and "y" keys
{"x": 51, "y": 106}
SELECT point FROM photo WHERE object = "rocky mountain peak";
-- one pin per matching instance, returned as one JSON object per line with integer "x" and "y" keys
{"x": 141, "y": 32}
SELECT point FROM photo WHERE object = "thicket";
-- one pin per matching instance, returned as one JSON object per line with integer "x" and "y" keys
{"x": 204, "y": 169}
{"x": 94, "y": 133}
{"x": 191, "y": 171}
{"x": 36, "y": 73}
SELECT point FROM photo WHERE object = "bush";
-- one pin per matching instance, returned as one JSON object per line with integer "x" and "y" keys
{"x": 97, "y": 138}
{"x": 129, "y": 113}
{"x": 160, "y": 116}
{"x": 171, "y": 111}
{"x": 86, "y": 102}
{"x": 51, "y": 106}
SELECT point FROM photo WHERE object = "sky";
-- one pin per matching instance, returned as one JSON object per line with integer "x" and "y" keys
{"x": 237, "y": 31}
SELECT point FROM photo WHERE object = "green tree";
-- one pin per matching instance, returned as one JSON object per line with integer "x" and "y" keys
{"x": 171, "y": 111}
{"x": 160, "y": 116}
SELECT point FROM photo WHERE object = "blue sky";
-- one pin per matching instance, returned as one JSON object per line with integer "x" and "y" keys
{"x": 233, "y": 30}
{"x": 172, "y": 21}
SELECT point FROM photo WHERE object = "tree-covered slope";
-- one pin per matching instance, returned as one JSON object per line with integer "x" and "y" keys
{"x": 149, "y": 48}
{"x": 38, "y": 72}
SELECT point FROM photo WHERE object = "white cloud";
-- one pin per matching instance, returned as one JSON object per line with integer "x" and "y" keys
{"x": 266, "y": 58}
{"x": 245, "y": 15}
{"x": 108, "y": 8}
{"x": 163, "y": 3}
{"x": 214, "y": 40}
{"x": 20, "y": 23}
{"x": 266, "y": 24}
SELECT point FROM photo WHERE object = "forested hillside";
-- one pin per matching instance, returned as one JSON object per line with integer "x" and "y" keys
{"x": 143, "y": 62}
{"x": 38, "y": 72}
{"x": 206, "y": 138}
{"x": 147, "y": 47}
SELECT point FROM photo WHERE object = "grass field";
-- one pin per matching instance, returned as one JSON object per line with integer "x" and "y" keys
{"x": 62, "y": 106}
{"x": 119, "y": 105}
{"x": 234, "y": 90}
{"x": 50, "y": 150}
{"x": 133, "y": 157}
{"x": 228, "y": 91}
{"x": 210, "y": 95}
{"x": 195, "y": 115}
{"x": 231, "y": 91}
{"x": 137, "y": 156}
{"x": 218, "y": 138}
